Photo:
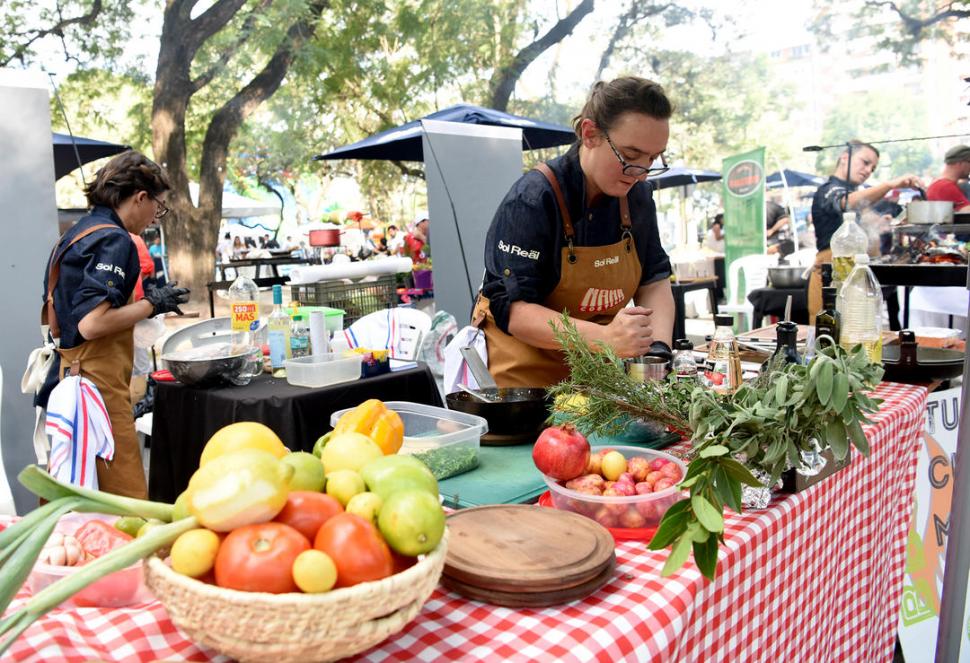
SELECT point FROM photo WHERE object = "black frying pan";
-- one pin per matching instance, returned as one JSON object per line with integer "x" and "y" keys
{"x": 515, "y": 410}
{"x": 911, "y": 364}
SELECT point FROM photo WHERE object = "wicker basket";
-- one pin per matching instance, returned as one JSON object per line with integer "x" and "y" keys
{"x": 252, "y": 626}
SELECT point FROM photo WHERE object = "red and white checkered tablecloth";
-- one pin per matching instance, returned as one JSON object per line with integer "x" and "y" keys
{"x": 815, "y": 576}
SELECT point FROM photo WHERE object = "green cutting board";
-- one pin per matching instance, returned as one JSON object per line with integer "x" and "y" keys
{"x": 507, "y": 475}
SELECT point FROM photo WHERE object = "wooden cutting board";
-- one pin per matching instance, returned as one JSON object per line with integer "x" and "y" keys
{"x": 525, "y": 549}
{"x": 532, "y": 599}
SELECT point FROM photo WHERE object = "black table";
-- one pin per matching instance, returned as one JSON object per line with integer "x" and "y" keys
{"x": 771, "y": 301}
{"x": 273, "y": 263}
{"x": 678, "y": 288}
{"x": 186, "y": 417}
{"x": 919, "y": 275}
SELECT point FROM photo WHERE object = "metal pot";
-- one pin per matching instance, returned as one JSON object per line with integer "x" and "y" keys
{"x": 789, "y": 276}
{"x": 929, "y": 211}
{"x": 326, "y": 237}
{"x": 513, "y": 410}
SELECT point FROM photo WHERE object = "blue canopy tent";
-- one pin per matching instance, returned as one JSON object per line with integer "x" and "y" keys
{"x": 66, "y": 159}
{"x": 678, "y": 176}
{"x": 792, "y": 178}
{"x": 403, "y": 143}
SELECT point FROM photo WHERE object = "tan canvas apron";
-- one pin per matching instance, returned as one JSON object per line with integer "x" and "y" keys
{"x": 107, "y": 362}
{"x": 594, "y": 284}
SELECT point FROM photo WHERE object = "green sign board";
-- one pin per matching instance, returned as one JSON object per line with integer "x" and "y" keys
{"x": 744, "y": 207}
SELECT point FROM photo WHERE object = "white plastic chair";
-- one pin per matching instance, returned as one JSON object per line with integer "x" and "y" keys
{"x": 802, "y": 258}
{"x": 754, "y": 268}
{"x": 400, "y": 330}
{"x": 7, "y": 507}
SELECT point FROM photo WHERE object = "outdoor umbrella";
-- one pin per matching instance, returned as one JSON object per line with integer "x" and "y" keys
{"x": 404, "y": 143}
{"x": 794, "y": 178}
{"x": 682, "y": 177}
{"x": 88, "y": 149}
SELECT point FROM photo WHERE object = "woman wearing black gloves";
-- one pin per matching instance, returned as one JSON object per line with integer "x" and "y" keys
{"x": 88, "y": 302}
{"x": 580, "y": 234}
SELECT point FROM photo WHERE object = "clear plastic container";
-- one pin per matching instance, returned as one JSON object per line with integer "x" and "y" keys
{"x": 323, "y": 369}
{"x": 445, "y": 440}
{"x": 633, "y": 512}
{"x": 119, "y": 589}
{"x": 333, "y": 317}
{"x": 860, "y": 307}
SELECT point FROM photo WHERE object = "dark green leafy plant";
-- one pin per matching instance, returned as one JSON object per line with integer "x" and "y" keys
{"x": 765, "y": 425}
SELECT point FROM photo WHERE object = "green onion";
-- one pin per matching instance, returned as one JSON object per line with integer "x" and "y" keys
{"x": 120, "y": 558}
{"x": 44, "y": 485}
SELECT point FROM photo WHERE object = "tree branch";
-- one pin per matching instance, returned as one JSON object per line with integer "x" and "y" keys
{"x": 915, "y": 25}
{"x": 210, "y": 22}
{"x": 504, "y": 79}
{"x": 636, "y": 13}
{"x": 57, "y": 29}
{"x": 247, "y": 27}
{"x": 407, "y": 170}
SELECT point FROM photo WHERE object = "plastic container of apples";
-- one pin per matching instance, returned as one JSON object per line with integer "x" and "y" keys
{"x": 640, "y": 504}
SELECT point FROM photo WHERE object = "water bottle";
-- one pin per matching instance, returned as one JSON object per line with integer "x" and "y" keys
{"x": 860, "y": 307}
{"x": 847, "y": 242}
{"x": 300, "y": 336}
{"x": 683, "y": 365}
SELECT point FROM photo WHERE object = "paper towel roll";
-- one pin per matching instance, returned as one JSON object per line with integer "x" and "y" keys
{"x": 319, "y": 337}
{"x": 351, "y": 270}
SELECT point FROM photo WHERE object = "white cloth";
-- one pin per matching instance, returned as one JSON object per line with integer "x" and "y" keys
{"x": 350, "y": 270}
{"x": 38, "y": 366}
{"x": 456, "y": 369}
{"x": 80, "y": 430}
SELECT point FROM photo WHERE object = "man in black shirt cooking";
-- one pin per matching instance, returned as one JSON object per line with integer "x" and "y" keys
{"x": 841, "y": 193}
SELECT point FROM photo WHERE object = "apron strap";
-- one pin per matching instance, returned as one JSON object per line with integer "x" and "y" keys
{"x": 47, "y": 314}
{"x": 567, "y": 221}
{"x": 625, "y": 223}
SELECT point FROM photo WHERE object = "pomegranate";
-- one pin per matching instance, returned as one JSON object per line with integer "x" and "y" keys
{"x": 561, "y": 452}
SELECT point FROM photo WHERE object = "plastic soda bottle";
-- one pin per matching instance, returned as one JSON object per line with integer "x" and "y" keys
{"x": 300, "y": 336}
{"x": 847, "y": 242}
{"x": 722, "y": 371}
{"x": 244, "y": 310}
{"x": 860, "y": 307}
{"x": 278, "y": 325}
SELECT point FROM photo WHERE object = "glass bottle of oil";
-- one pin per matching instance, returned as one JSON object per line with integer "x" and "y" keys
{"x": 279, "y": 334}
{"x": 828, "y": 321}
{"x": 722, "y": 370}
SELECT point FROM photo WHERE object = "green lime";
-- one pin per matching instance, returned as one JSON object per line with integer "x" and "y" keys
{"x": 412, "y": 522}
{"x": 129, "y": 524}
{"x": 366, "y": 505}
{"x": 307, "y": 471}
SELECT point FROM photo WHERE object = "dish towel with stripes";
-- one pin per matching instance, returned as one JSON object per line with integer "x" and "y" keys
{"x": 77, "y": 421}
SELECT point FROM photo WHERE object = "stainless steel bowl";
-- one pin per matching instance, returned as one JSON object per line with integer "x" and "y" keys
{"x": 789, "y": 276}
{"x": 206, "y": 371}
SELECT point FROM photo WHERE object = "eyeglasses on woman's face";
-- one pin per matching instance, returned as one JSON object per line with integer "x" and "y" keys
{"x": 632, "y": 169}
{"x": 160, "y": 208}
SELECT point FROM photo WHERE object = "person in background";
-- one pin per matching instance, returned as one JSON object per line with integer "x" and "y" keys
{"x": 956, "y": 167}
{"x": 225, "y": 248}
{"x": 580, "y": 234}
{"x": 840, "y": 193}
{"x": 271, "y": 243}
{"x": 155, "y": 249}
{"x": 415, "y": 241}
{"x": 395, "y": 240}
{"x": 714, "y": 239}
{"x": 777, "y": 224}
{"x": 249, "y": 243}
{"x": 238, "y": 248}
{"x": 89, "y": 286}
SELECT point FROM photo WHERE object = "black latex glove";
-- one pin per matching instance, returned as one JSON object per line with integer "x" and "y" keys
{"x": 660, "y": 349}
{"x": 167, "y": 298}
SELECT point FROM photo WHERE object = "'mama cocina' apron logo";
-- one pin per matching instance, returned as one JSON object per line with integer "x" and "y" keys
{"x": 744, "y": 178}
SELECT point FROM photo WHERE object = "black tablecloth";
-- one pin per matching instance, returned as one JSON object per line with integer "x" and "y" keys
{"x": 771, "y": 301}
{"x": 186, "y": 417}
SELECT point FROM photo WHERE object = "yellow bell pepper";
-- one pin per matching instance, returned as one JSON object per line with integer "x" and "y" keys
{"x": 373, "y": 419}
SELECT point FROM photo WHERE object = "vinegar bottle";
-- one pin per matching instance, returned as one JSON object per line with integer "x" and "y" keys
{"x": 722, "y": 371}
{"x": 847, "y": 242}
{"x": 279, "y": 334}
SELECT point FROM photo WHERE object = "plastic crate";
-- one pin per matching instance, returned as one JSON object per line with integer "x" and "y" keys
{"x": 356, "y": 299}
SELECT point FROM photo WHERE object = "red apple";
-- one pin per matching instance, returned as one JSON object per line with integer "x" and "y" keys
{"x": 561, "y": 452}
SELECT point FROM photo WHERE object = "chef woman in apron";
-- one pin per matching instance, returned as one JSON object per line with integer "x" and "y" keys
{"x": 89, "y": 302}
{"x": 580, "y": 233}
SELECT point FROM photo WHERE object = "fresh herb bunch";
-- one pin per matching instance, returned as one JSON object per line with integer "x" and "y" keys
{"x": 764, "y": 425}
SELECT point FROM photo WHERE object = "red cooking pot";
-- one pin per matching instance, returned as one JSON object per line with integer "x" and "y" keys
{"x": 328, "y": 237}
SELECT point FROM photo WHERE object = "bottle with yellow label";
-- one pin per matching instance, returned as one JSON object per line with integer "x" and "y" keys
{"x": 244, "y": 310}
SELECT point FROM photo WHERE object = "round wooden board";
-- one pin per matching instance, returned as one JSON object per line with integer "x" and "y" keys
{"x": 496, "y": 440}
{"x": 533, "y": 599}
{"x": 525, "y": 548}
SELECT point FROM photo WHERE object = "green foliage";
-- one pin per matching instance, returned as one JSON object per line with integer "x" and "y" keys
{"x": 764, "y": 425}
{"x": 864, "y": 116}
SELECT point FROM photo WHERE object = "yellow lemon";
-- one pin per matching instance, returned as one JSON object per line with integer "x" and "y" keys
{"x": 240, "y": 436}
{"x": 349, "y": 451}
{"x": 314, "y": 571}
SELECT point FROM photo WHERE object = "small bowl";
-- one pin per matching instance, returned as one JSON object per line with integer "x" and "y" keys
{"x": 119, "y": 589}
{"x": 647, "y": 368}
{"x": 620, "y": 512}
{"x": 207, "y": 365}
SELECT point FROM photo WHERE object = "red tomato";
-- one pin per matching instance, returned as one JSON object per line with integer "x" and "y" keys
{"x": 259, "y": 558}
{"x": 98, "y": 537}
{"x": 306, "y": 511}
{"x": 402, "y": 562}
{"x": 356, "y": 548}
